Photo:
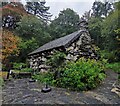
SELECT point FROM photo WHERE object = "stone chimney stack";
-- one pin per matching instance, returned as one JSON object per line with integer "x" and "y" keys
{"x": 83, "y": 24}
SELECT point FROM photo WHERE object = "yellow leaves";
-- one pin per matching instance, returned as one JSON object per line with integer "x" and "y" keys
{"x": 3, "y": 74}
{"x": 9, "y": 44}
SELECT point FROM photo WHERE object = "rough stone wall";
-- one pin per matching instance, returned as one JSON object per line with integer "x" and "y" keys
{"x": 82, "y": 47}
{"x": 38, "y": 62}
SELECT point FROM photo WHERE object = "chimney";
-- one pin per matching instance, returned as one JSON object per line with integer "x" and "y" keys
{"x": 83, "y": 24}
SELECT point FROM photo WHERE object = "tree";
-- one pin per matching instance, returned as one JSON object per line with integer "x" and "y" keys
{"x": 97, "y": 9}
{"x": 39, "y": 9}
{"x": 95, "y": 28}
{"x": 66, "y": 23}
{"x": 101, "y": 9}
{"x": 110, "y": 24}
{"x": 11, "y": 14}
{"x": 107, "y": 8}
{"x": 86, "y": 15}
{"x": 27, "y": 46}
{"x": 3, "y": 4}
{"x": 29, "y": 27}
{"x": 10, "y": 44}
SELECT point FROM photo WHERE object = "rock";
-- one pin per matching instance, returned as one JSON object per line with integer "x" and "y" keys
{"x": 70, "y": 48}
{"x": 43, "y": 59}
{"x": 43, "y": 70}
{"x": 79, "y": 42}
{"x": 116, "y": 90}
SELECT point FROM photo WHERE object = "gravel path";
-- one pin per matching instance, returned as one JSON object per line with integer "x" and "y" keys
{"x": 21, "y": 91}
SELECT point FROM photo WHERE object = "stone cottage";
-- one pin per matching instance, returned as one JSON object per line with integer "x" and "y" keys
{"x": 75, "y": 45}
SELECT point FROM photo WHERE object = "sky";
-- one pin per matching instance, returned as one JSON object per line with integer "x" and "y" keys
{"x": 79, "y": 6}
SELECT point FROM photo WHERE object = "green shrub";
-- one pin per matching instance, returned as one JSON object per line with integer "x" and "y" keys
{"x": 82, "y": 75}
{"x": 56, "y": 59}
{"x": 114, "y": 66}
{"x": 18, "y": 66}
{"x": 111, "y": 56}
{"x": 44, "y": 77}
{"x": 26, "y": 70}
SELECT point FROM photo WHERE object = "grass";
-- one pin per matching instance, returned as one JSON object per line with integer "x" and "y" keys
{"x": 114, "y": 66}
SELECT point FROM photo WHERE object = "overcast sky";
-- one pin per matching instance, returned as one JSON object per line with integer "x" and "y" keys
{"x": 79, "y": 6}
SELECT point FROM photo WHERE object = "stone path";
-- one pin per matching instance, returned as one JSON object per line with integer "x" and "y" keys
{"x": 21, "y": 91}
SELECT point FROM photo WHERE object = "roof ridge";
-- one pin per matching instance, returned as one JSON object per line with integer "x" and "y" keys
{"x": 62, "y": 41}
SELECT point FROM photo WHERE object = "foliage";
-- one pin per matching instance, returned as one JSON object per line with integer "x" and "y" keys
{"x": 39, "y": 9}
{"x": 97, "y": 8}
{"x": 81, "y": 75}
{"x": 18, "y": 66}
{"x": 21, "y": 67}
{"x": 95, "y": 27}
{"x": 110, "y": 24}
{"x": 66, "y": 23}
{"x": 110, "y": 56}
{"x": 32, "y": 27}
{"x": 56, "y": 59}
{"x": 33, "y": 34}
{"x": 10, "y": 44}
{"x": 114, "y": 66}
{"x": 27, "y": 46}
{"x": 3, "y": 74}
{"x": 11, "y": 14}
{"x": 3, "y": 4}
{"x": 44, "y": 77}
{"x": 102, "y": 9}
{"x": 105, "y": 31}
{"x": 26, "y": 70}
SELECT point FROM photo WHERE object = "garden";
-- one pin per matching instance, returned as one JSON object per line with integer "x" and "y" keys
{"x": 25, "y": 27}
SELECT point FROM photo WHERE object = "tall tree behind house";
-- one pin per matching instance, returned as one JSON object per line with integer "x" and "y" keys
{"x": 11, "y": 14}
{"x": 66, "y": 23}
{"x": 102, "y": 8}
{"x": 39, "y": 9}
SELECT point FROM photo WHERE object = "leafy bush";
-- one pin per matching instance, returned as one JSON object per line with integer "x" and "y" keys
{"x": 44, "y": 77}
{"x": 110, "y": 56}
{"x": 18, "y": 66}
{"x": 26, "y": 70}
{"x": 82, "y": 75}
{"x": 56, "y": 59}
{"x": 4, "y": 68}
{"x": 114, "y": 66}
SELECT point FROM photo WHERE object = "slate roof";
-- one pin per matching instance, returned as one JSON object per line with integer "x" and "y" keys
{"x": 60, "y": 42}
